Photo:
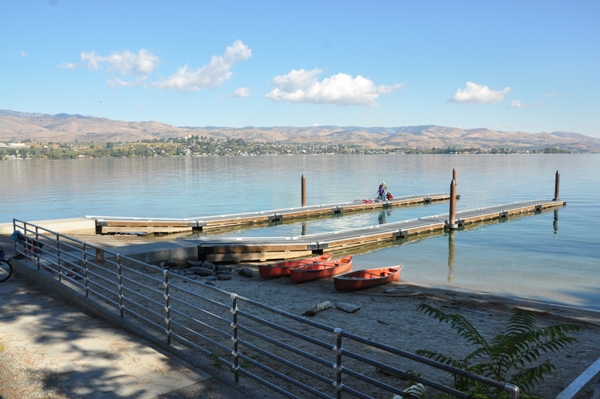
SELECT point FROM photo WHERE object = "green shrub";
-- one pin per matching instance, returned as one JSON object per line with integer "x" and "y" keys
{"x": 514, "y": 356}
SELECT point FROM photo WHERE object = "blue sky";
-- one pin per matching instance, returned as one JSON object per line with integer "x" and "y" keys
{"x": 530, "y": 66}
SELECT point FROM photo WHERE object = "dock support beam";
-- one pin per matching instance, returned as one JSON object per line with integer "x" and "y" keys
{"x": 303, "y": 194}
{"x": 556, "y": 186}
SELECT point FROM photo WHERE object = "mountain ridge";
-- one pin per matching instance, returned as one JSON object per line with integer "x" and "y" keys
{"x": 62, "y": 127}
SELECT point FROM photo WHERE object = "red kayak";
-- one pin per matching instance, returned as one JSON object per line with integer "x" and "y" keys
{"x": 283, "y": 268}
{"x": 366, "y": 278}
{"x": 321, "y": 269}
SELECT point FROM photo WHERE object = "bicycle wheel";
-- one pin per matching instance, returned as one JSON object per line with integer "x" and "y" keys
{"x": 5, "y": 270}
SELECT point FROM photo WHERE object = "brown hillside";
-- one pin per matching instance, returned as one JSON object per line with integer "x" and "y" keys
{"x": 20, "y": 126}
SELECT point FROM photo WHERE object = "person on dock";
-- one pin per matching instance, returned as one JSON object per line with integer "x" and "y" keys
{"x": 381, "y": 192}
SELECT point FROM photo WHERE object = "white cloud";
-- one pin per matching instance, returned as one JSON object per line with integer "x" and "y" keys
{"x": 553, "y": 94}
{"x": 517, "y": 104}
{"x": 240, "y": 92}
{"x": 116, "y": 82}
{"x": 302, "y": 86}
{"x": 477, "y": 94}
{"x": 70, "y": 65}
{"x": 125, "y": 62}
{"x": 22, "y": 54}
{"x": 211, "y": 75}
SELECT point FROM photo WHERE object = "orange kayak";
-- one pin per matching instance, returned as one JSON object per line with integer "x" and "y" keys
{"x": 360, "y": 279}
{"x": 283, "y": 268}
{"x": 321, "y": 269}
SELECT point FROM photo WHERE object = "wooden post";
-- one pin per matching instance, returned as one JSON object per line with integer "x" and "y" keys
{"x": 451, "y": 255}
{"x": 454, "y": 178}
{"x": 303, "y": 184}
{"x": 451, "y": 223}
{"x": 556, "y": 186}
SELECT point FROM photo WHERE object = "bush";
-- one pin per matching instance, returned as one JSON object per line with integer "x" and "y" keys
{"x": 514, "y": 356}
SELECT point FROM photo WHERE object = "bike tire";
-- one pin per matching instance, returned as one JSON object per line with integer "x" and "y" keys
{"x": 5, "y": 270}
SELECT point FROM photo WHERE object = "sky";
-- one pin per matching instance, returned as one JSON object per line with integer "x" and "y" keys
{"x": 529, "y": 66}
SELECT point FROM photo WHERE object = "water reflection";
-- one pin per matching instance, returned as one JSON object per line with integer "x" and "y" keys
{"x": 383, "y": 216}
{"x": 303, "y": 228}
{"x": 555, "y": 223}
{"x": 450, "y": 256}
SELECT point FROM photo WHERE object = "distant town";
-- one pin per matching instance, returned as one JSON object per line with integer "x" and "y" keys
{"x": 208, "y": 146}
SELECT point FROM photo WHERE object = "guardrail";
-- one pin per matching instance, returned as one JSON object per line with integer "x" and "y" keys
{"x": 290, "y": 354}
{"x": 580, "y": 383}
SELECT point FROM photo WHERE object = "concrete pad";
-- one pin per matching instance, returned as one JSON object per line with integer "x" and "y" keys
{"x": 57, "y": 225}
{"x": 85, "y": 355}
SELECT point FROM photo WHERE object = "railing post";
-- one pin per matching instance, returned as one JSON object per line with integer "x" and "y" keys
{"x": 85, "y": 271}
{"x": 15, "y": 229}
{"x": 120, "y": 282}
{"x": 37, "y": 247}
{"x": 234, "y": 338}
{"x": 338, "y": 362}
{"x": 58, "y": 257}
{"x": 512, "y": 390}
{"x": 303, "y": 184}
{"x": 167, "y": 306}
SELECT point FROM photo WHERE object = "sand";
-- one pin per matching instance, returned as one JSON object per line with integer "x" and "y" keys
{"x": 389, "y": 314}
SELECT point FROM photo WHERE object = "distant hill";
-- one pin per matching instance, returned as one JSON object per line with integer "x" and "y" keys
{"x": 20, "y": 126}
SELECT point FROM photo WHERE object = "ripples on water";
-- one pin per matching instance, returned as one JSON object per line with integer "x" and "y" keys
{"x": 546, "y": 256}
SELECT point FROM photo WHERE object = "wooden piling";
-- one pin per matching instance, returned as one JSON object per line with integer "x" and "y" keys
{"x": 556, "y": 186}
{"x": 451, "y": 224}
{"x": 451, "y": 255}
{"x": 303, "y": 184}
{"x": 454, "y": 178}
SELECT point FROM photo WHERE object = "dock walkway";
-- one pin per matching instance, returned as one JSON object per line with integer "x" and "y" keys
{"x": 244, "y": 249}
{"x": 114, "y": 224}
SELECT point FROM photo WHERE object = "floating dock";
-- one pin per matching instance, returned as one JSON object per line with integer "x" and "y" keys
{"x": 262, "y": 249}
{"x": 110, "y": 224}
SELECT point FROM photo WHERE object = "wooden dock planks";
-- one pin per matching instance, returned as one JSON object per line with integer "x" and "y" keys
{"x": 231, "y": 249}
{"x": 107, "y": 224}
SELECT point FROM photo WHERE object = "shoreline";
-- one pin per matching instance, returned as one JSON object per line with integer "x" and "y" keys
{"x": 84, "y": 229}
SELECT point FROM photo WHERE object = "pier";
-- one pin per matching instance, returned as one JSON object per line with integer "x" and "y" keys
{"x": 261, "y": 249}
{"x": 112, "y": 224}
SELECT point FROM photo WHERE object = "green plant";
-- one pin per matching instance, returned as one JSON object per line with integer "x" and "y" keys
{"x": 514, "y": 356}
{"x": 216, "y": 361}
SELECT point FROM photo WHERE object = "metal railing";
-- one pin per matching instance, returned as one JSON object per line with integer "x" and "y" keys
{"x": 290, "y": 354}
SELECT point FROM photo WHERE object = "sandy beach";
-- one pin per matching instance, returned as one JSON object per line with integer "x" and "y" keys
{"x": 389, "y": 314}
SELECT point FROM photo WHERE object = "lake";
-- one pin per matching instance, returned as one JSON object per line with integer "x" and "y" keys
{"x": 553, "y": 256}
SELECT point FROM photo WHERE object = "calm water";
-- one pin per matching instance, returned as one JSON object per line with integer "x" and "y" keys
{"x": 553, "y": 256}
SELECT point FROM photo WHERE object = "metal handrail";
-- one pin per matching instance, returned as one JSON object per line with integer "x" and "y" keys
{"x": 168, "y": 310}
